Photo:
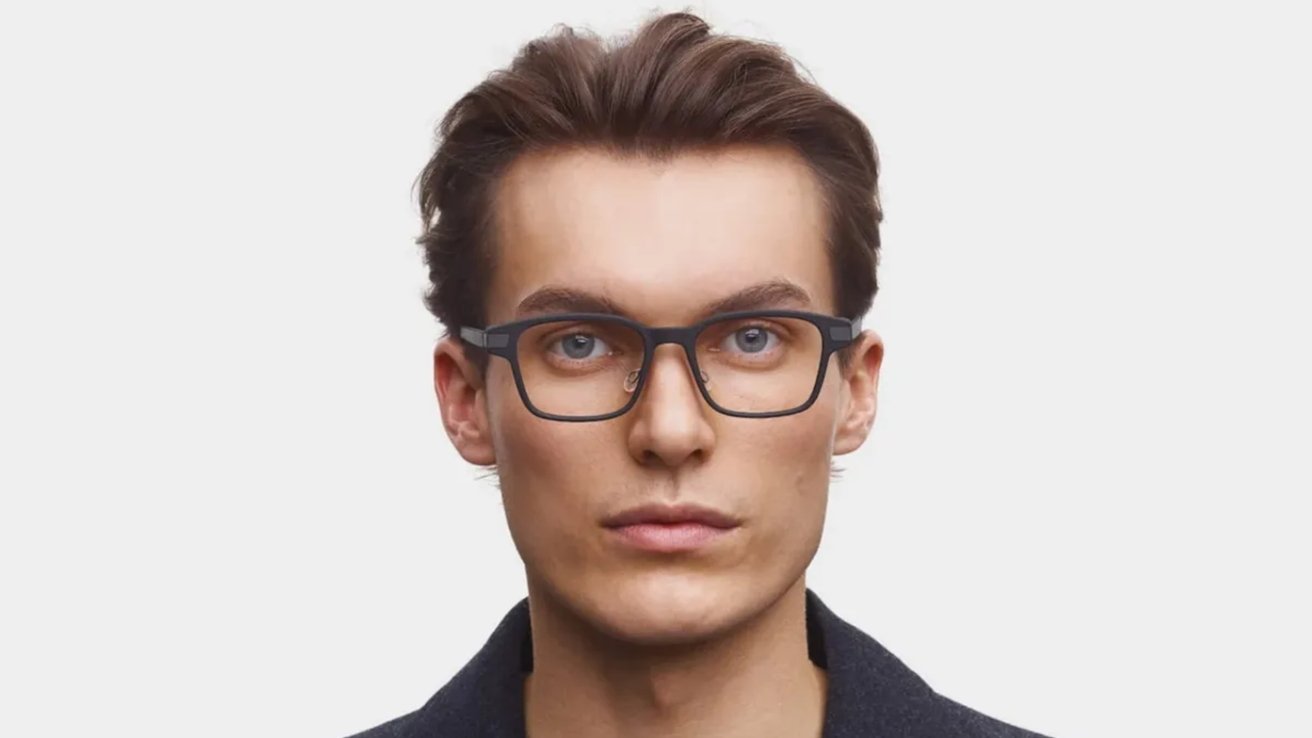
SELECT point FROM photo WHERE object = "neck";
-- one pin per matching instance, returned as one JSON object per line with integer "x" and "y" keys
{"x": 756, "y": 679}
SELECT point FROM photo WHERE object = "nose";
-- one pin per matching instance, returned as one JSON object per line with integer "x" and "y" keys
{"x": 670, "y": 420}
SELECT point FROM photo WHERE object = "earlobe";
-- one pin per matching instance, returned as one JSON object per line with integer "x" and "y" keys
{"x": 862, "y": 382}
{"x": 461, "y": 398}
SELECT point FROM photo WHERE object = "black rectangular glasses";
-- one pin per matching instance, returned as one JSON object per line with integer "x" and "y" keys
{"x": 593, "y": 366}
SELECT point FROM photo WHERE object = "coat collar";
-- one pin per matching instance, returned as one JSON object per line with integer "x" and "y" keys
{"x": 870, "y": 692}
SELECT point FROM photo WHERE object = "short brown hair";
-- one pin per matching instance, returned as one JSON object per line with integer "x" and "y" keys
{"x": 672, "y": 86}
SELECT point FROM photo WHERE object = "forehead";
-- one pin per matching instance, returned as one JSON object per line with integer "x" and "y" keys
{"x": 660, "y": 239}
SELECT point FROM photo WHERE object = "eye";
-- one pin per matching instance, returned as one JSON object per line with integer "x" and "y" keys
{"x": 580, "y": 346}
{"x": 752, "y": 339}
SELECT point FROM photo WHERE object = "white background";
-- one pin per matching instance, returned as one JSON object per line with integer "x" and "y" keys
{"x": 228, "y": 504}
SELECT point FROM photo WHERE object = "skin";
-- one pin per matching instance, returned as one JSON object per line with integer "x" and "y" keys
{"x": 631, "y": 643}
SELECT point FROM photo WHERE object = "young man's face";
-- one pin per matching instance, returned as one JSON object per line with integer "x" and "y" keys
{"x": 662, "y": 242}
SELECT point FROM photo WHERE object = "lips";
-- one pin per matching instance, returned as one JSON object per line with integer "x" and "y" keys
{"x": 671, "y": 528}
{"x": 670, "y": 538}
{"x": 671, "y": 515}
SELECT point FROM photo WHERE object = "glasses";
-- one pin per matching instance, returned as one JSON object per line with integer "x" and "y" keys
{"x": 592, "y": 366}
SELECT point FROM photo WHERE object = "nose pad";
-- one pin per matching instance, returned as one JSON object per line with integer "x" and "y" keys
{"x": 631, "y": 380}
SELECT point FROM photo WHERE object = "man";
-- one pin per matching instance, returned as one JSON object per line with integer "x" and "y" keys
{"x": 652, "y": 258}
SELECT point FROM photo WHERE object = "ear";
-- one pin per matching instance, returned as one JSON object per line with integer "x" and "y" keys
{"x": 462, "y": 399}
{"x": 862, "y": 381}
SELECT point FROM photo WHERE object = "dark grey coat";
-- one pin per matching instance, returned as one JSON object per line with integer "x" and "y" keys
{"x": 871, "y": 694}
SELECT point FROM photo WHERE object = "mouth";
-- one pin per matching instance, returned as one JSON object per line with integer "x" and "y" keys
{"x": 672, "y": 514}
{"x": 669, "y": 537}
{"x": 671, "y": 529}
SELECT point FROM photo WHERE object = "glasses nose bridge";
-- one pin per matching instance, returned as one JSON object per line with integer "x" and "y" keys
{"x": 675, "y": 334}
{"x": 679, "y": 335}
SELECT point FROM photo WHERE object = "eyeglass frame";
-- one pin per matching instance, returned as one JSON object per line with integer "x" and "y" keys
{"x": 502, "y": 340}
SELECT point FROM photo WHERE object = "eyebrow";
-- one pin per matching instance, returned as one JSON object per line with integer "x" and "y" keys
{"x": 555, "y": 299}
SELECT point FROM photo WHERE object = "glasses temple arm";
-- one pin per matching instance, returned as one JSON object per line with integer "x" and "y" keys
{"x": 474, "y": 336}
{"x": 484, "y": 340}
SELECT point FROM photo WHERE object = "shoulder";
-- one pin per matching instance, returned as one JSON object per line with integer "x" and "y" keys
{"x": 872, "y": 692}
{"x": 972, "y": 724}
{"x": 401, "y": 727}
{"x": 484, "y": 698}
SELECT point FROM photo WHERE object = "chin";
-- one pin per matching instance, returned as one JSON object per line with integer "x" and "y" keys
{"x": 669, "y": 608}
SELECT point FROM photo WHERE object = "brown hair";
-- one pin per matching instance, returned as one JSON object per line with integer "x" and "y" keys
{"x": 672, "y": 86}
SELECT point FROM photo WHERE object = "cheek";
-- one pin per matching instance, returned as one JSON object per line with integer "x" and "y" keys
{"x": 796, "y": 449}
{"x": 546, "y": 471}
{"x": 789, "y": 462}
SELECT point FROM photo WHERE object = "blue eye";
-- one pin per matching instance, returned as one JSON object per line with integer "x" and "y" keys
{"x": 579, "y": 346}
{"x": 753, "y": 339}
